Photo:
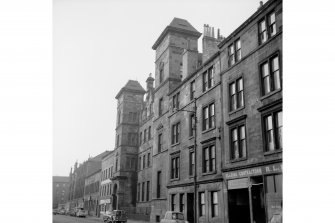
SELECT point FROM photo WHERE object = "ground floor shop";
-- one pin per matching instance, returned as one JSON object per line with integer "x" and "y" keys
{"x": 254, "y": 194}
{"x": 91, "y": 204}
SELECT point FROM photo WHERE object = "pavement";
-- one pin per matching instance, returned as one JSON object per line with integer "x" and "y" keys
{"x": 88, "y": 219}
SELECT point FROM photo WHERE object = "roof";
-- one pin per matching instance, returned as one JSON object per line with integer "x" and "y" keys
{"x": 133, "y": 86}
{"x": 61, "y": 179}
{"x": 101, "y": 155}
{"x": 177, "y": 25}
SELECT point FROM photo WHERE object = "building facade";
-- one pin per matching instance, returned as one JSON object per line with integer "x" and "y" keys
{"x": 251, "y": 80}
{"x": 91, "y": 193}
{"x": 60, "y": 190}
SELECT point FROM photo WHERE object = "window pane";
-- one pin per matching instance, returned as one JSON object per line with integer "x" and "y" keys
{"x": 266, "y": 84}
{"x": 276, "y": 77}
{"x": 240, "y": 84}
{"x": 265, "y": 70}
{"x": 238, "y": 44}
{"x": 279, "y": 130}
{"x": 235, "y": 150}
{"x": 240, "y": 99}
{"x": 270, "y": 187}
{"x": 238, "y": 55}
{"x": 279, "y": 183}
{"x": 242, "y": 132}
{"x": 235, "y": 134}
{"x": 243, "y": 149}
{"x": 262, "y": 26}
{"x": 212, "y": 111}
{"x": 231, "y": 49}
{"x": 268, "y": 123}
{"x": 272, "y": 18}
{"x": 275, "y": 63}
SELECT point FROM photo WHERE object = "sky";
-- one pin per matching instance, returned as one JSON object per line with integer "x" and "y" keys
{"x": 98, "y": 45}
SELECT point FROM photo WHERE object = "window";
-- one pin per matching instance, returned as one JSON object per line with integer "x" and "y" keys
{"x": 175, "y": 133}
{"x": 181, "y": 203}
{"x": 116, "y": 164}
{"x": 238, "y": 143}
{"x": 148, "y": 190}
{"x": 138, "y": 191}
{"x": 209, "y": 159}
{"x": 161, "y": 73}
{"x": 234, "y": 52}
{"x": 192, "y": 125}
{"x": 175, "y": 101}
{"x": 208, "y": 114}
{"x": 173, "y": 202}
{"x": 192, "y": 90}
{"x": 149, "y": 133}
{"x": 214, "y": 204}
{"x": 267, "y": 27}
{"x": 270, "y": 75}
{"x": 144, "y": 161}
{"x": 274, "y": 184}
{"x": 145, "y": 136}
{"x": 119, "y": 117}
{"x": 143, "y": 189}
{"x": 160, "y": 107}
{"x": 160, "y": 142}
{"x": 159, "y": 183}
{"x": 140, "y": 138}
{"x": 201, "y": 203}
{"x": 236, "y": 94}
{"x": 118, "y": 140}
{"x": 175, "y": 167}
{"x": 149, "y": 158}
{"x": 273, "y": 126}
{"x": 191, "y": 162}
{"x": 139, "y": 163}
{"x": 208, "y": 79}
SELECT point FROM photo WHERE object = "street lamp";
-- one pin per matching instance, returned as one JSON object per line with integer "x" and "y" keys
{"x": 195, "y": 156}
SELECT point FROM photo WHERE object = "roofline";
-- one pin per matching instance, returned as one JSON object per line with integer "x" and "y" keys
{"x": 174, "y": 29}
{"x": 247, "y": 22}
{"x": 129, "y": 90}
{"x": 110, "y": 152}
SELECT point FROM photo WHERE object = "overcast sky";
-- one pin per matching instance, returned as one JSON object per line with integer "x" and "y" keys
{"x": 98, "y": 46}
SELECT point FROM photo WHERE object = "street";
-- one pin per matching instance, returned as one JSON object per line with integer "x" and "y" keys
{"x": 70, "y": 219}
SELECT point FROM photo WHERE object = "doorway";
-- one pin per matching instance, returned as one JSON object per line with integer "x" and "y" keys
{"x": 238, "y": 206}
{"x": 114, "y": 196}
{"x": 190, "y": 207}
{"x": 258, "y": 203}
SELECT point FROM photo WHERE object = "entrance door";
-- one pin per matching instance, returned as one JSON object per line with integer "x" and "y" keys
{"x": 190, "y": 208}
{"x": 258, "y": 207}
{"x": 238, "y": 206}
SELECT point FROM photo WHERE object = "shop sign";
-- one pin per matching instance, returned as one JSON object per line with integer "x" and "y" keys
{"x": 274, "y": 168}
{"x": 106, "y": 201}
{"x": 238, "y": 183}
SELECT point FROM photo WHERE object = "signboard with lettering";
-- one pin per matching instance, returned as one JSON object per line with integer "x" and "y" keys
{"x": 238, "y": 183}
{"x": 274, "y": 168}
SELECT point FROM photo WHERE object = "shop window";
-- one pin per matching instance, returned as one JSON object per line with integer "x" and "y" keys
{"x": 274, "y": 184}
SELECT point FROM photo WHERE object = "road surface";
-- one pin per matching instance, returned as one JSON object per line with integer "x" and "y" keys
{"x": 70, "y": 219}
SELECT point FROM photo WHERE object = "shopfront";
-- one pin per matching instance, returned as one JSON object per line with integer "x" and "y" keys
{"x": 254, "y": 195}
{"x": 105, "y": 205}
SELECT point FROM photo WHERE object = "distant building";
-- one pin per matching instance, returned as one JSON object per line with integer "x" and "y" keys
{"x": 77, "y": 179}
{"x": 60, "y": 189}
{"x": 91, "y": 193}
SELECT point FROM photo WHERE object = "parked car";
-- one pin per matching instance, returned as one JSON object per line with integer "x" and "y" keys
{"x": 54, "y": 211}
{"x": 173, "y": 217}
{"x": 106, "y": 215}
{"x": 72, "y": 212}
{"x": 61, "y": 211}
{"x": 81, "y": 212}
{"x": 118, "y": 216}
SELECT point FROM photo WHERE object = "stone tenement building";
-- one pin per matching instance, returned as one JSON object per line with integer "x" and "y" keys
{"x": 235, "y": 86}
{"x": 60, "y": 190}
{"x": 207, "y": 137}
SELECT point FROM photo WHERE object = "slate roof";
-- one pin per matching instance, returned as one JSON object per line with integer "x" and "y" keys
{"x": 177, "y": 25}
{"x": 133, "y": 86}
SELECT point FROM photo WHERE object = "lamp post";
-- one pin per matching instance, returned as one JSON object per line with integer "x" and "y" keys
{"x": 195, "y": 156}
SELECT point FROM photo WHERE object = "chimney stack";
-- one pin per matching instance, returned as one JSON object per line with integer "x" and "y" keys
{"x": 150, "y": 82}
{"x": 260, "y": 4}
{"x": 209, "y": 42}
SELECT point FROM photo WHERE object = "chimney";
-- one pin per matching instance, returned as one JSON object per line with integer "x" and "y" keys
{"x": 260, "y": 4}
{"x": 209, "y": 42}
{"x": 150, "y": 82}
